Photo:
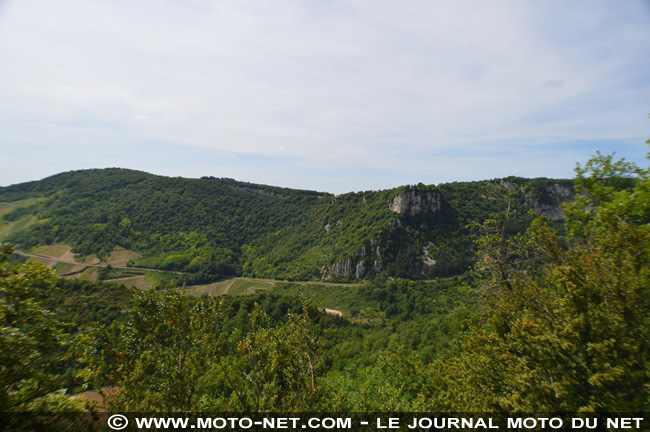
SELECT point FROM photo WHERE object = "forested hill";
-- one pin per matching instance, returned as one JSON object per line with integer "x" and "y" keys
{"x": 211, "y": 227}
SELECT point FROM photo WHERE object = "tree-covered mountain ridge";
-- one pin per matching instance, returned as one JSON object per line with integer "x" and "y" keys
{"x": 212, "y": 227}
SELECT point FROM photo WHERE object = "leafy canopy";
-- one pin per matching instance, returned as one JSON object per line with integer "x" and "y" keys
{"x": 567, "y": 320}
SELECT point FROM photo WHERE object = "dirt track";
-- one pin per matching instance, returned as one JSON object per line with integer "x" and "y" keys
{"x": 228, "y": 287}
{"x": 68, "y": 261}
{"x": 334, "y": 311}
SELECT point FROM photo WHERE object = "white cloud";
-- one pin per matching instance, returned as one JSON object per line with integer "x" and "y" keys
{"x": 376, "y": 83}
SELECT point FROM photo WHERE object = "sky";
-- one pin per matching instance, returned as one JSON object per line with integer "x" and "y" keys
{"x": 327, "y": 95}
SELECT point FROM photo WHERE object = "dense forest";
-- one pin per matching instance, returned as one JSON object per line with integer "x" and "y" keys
{"x": 550, "y": 319}
{"x": 208, "y": 228}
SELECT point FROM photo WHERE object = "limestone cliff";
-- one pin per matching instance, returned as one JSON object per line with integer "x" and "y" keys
{"x": 347, "y": 267}
{"x": 551, "y": 207}
{"x": 413, "y": 201}
{"x": 547, "y": 201}
{"x": 368, "y": 259}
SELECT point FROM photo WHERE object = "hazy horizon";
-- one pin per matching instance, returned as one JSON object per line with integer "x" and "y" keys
{"x": 273, "y": 185}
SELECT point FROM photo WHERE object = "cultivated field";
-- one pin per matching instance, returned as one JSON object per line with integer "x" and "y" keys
{"x": 67, "y": 269}
{"x": 66, "y": 264}
{"x": 91, "y": 260}
{"x": 47, "y": 262}
{"x": 232, "y": 287}
{"x": 119, "y": 258}
{"x": 138, "y": 282}
{"x": 58, "y": 257}
{"x": 60, "y": 251}
{"x": 89, "y": 274}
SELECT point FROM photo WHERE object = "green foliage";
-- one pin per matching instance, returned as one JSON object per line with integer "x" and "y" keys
{"x": 19, "y": 212}
{"x": 171, "y": 353}
{"x": 567, "y": 321}
{"x": 193, "y": 225}
{"x": 551, "y": 319}
{"x": 608, "y": 191}
{"x": 78, "y": 302}
{"x": 156, "y": 356}
{"x": 33, "y": 347}
{"x": 392, "y": 384}
{"x": 208, "y": 228}
{"x": 282, "y": 363}
{"x": 564, "y": 325}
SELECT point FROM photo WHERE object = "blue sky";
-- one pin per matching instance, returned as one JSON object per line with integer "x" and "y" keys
{"x": 335, "y": 96}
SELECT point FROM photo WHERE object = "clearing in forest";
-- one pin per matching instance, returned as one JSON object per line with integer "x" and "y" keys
{"x": 89, "y": 274}
{"x": 232, "y": 287}
{"x": 60, "y": 251}
{"x": 133, "y": 281}
{"x": 9, "y": 227}
{"x": 68, "y": 268}
{"x": 91, "y": 260}
{"x": 120, "y": 258}
{"x": 59, "y": 257}
{"x": 47, "y": 262}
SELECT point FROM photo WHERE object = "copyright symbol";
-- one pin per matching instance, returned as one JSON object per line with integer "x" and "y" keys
{"x": 117, "y": 422}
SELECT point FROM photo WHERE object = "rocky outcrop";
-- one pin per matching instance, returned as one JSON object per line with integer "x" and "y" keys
{"x": 368, "y": 259}
{"x": 551, "y": 208}
{"x": 415, "y": 201}
{"x": 343, "y": 268}
{"x": 360, "y": 270}
{"x": 347, "y": 267}
{"x": 426, "y": 257}
{"x": 549, "y": 204}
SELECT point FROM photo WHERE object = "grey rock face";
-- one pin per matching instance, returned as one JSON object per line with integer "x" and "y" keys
{"x": 560, "y": 194}
{"x": 361, "y": 269}
{"x": 343, "y": 268}
{"x": 346, "y": 268}
{"x": 413, "y": 202}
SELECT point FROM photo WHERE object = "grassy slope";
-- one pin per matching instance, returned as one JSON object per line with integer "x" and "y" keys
{"x": 232, "y": 287}
{"x": 7, "y": 228}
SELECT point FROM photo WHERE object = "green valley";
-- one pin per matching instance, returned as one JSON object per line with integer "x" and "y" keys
{"x": 206, "y": 229}
{"x": 211, "y": 295}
